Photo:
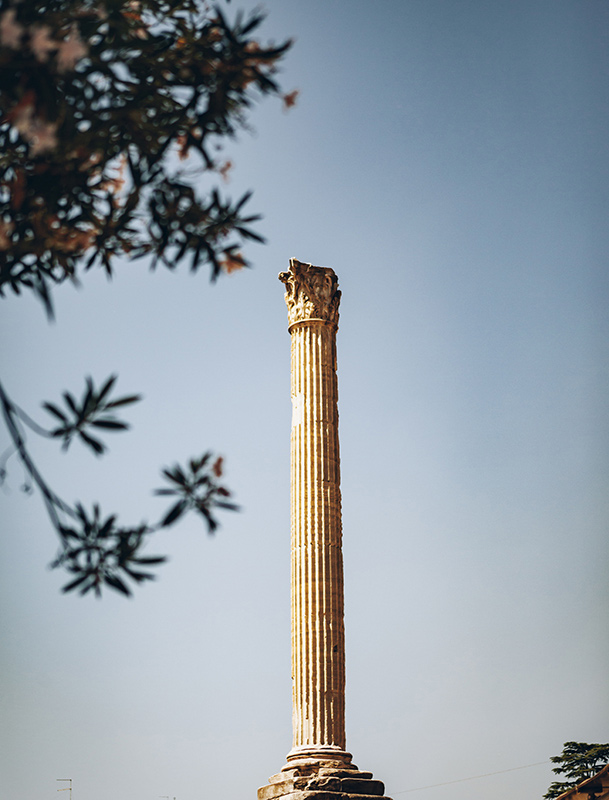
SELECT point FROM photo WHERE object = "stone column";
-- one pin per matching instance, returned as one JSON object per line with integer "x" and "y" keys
{"x": 318, "y": 639}
{"x": 318, "y": 766}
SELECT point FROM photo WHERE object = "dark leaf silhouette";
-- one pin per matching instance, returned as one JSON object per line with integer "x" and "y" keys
{"x": 93, "y": 124}
{"x": 108, "y": 131}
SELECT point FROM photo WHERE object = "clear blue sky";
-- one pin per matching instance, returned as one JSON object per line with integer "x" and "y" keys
{"x": 449, "y": 161}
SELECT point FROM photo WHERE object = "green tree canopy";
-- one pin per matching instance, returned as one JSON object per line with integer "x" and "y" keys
{"x": 577, "y": 762}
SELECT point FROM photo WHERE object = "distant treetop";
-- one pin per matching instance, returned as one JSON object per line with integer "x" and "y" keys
{"x": 577, "y": 762}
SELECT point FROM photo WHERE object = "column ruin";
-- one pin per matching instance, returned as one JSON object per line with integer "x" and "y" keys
{"x": 318, "y": 760}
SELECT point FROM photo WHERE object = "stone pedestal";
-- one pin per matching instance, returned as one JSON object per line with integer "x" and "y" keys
{"x": 318, "y": 765}
{"x": 317, "y": 782}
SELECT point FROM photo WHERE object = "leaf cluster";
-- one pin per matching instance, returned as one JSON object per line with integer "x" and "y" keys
{"x": 96, "y": 550}
{"x": 577, "y": 762}
{"x": 95, "y": 410}
{"x": 109, "y": 115}
{"x": 197, "y": 489}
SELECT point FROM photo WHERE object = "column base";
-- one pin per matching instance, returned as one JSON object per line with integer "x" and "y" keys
{"x": 327, "y": 755}
{"x": 314, "y": 778}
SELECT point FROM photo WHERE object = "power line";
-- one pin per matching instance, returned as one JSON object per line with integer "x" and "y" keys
{"x": 473, "y": 777}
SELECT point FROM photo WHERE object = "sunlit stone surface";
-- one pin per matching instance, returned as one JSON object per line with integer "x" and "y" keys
{"x": 318, "y": 764}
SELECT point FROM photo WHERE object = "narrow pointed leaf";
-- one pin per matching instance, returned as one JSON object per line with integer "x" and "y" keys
{"x": 73, "y": 584}
{"x": 124, "y": 401}
{"x": 52, "y": 409}
{"x": 110, "y": 424}
{"x": 94, "y": 444}
{"x": 174, "y": 513}
{"x": 106, "y": 388}
{"x": 116, "y": 583}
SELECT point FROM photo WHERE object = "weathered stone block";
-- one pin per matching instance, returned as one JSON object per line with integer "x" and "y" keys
{"x": 323, "y": 784}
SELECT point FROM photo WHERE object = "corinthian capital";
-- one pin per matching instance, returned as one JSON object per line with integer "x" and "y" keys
{"x": 311, "y": 292}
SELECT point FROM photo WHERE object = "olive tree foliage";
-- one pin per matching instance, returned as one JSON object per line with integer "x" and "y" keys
{"x": 577, "y": 762}
{"x": 112, "y": 120}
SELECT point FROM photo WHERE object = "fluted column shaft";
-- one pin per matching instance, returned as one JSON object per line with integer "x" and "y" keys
{"x": 318, "y": 765}
{"x": 318, "y": 641}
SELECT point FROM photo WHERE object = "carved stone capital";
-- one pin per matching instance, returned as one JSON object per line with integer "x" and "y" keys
{"x": 311, "y": 293}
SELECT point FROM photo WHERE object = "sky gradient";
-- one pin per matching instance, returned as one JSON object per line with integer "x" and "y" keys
{"x": 449, "y": 161}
